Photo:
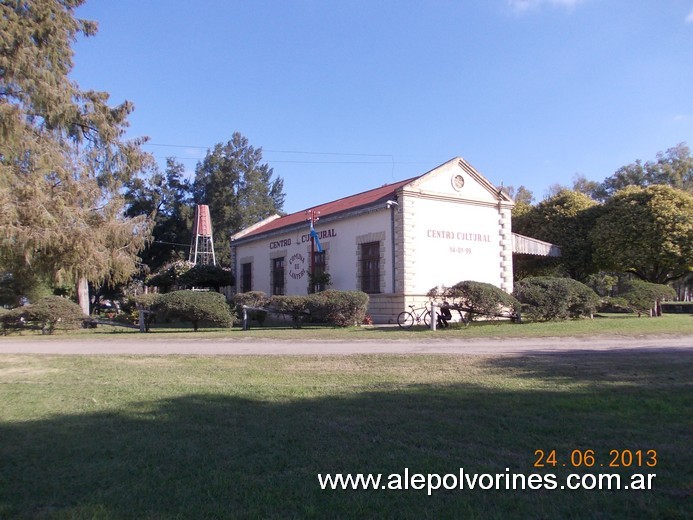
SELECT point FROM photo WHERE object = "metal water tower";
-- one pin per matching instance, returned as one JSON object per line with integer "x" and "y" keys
{"x": 202, "y": 245}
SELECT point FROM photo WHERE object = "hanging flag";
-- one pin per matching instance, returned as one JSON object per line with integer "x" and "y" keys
{"x": 314, "y": 234}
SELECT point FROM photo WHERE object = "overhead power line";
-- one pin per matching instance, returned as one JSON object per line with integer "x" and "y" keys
{"x": 302, "y": 152}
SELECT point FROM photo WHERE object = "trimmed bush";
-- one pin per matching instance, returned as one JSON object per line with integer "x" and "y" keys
{"x": 341, "y": 308}
{"x": 645, "y": 296}
{"x": 48, "y": 314}
{"x": 251, "y": 299}
{"x": 614, "y": 304}
{"x": 295, "y": 307}
{"x": 483, "y": 299}
{"x": 546, "y": 298}
{"x": 196, "y": 307}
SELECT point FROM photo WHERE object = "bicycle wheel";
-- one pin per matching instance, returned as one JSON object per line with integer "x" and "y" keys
{"x": 405, "y": 320}
{"x": 427, "y": 319}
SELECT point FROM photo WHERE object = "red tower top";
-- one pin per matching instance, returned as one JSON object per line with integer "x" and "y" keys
{"x": 203, "y": 224}
{"x": 202, "y": 245}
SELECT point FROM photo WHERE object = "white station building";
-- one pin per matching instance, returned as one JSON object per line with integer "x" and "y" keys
{"x": 395, "y": 242}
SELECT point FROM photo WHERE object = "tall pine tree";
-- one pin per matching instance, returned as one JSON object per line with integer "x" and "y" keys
{"x": 63, "y": 157}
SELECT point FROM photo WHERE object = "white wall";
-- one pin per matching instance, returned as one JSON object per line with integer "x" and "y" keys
{"x": 452, "y": 242}
{"x": 340, "y": 241}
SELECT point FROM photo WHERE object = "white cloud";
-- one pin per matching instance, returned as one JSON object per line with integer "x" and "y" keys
{"x": 521, "y": 6}
{"x": 689, "y": 18}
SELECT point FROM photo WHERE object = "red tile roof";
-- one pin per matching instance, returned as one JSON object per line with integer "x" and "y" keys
{"x": 352, "y": 202}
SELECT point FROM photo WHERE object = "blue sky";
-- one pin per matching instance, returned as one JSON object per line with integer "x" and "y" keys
{"x": 346, "y": 96}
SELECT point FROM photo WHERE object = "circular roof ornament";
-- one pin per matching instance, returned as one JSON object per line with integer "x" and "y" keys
{"x": 457, "y": 182}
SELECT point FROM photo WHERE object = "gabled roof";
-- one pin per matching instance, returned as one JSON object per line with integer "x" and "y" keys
{"x": 353, "y": 202}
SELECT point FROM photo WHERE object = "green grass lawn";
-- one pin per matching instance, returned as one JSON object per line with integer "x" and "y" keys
{"x": 609, "y": 324}
{"x": 245, "y": 437}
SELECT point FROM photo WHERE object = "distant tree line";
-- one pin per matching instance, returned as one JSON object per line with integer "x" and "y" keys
{"x": 637, "y": 222}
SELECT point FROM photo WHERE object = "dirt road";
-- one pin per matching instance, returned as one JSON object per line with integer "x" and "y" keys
{"x": 224, "y": 346}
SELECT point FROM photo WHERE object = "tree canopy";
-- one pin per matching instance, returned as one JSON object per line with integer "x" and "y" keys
{"x": 671, "y": 168}
{"x": 566, "y": 219}
{"x": 238, "y": 188}
{"x": 63, "y": 158}
{"x": 647, "y": 232}
{"x": 166, "y": 198}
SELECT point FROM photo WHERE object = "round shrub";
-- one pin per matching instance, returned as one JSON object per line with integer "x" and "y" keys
{"x": 49, "y": 314}
{"x": 195, "y": 307}
{"x": 296, "y": 307}
{"x": 483, "y": 299}
{"x": 546, "y": 298}
{"x": 644, "y": 296}
{"x": 340, "y": 308}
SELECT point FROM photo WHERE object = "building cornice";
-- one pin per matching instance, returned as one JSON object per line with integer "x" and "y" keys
{"x": 457, "y": 200}
{"x": 292, "y": 228}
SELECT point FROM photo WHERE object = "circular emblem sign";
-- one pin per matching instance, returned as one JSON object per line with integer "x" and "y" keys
{"x": 297, "y": 266}
{"x": 457, "y": 182}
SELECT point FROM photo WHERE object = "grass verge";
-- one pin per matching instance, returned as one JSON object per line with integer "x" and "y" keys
{"x": 608, "y": 324}
{"x": 246, "y": 437}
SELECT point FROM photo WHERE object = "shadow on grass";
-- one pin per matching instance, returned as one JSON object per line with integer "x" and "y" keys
{"x": 223, "y": 456}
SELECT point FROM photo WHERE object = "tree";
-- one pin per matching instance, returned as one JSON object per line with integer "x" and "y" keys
{"x": 672, "y": 168}
{"x": 566, "y": 219}
{"x": 63, "y": 159}
{"x": 167, "y": 199}
{"x": 582, "y": 185}
{"x": 208, "y": 276}
{"x": 238, "y": 188}
{"x": 523, "y": 199}
{"x": 554, "y": 189}
{"x": 647, "y": 232}
{"x": 646, "y": 297}
{"x": 519, "y": 195}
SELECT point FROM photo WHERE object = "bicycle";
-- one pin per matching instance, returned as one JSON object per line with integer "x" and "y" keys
{"x": 406, "y": 319}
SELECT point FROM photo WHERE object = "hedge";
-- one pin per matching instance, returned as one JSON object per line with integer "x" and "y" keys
{"x": 48, "y": 314}
{"x": 295, "y": 307}
{"x": 546, "y": 298}
{"x": 194, "y": 306}
{"x": 251, "y": 299}
{"x": 482, "y": 299}
{"x": 340, "y": 308}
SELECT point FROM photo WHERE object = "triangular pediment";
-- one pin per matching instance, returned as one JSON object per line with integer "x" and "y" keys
{"x": 457, "y": 179}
